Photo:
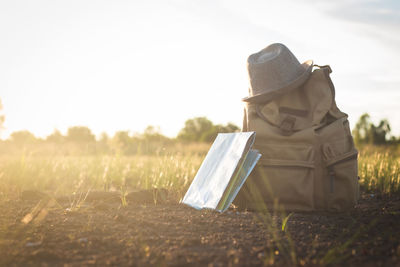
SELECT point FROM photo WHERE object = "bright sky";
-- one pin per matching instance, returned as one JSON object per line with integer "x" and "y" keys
{"x": 124, "y": 65}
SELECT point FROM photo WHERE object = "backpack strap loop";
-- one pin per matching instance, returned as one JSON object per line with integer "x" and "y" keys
{"x": 327, "y": 67}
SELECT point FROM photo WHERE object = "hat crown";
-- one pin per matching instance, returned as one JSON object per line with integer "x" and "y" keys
{"x": 272, "y": 68}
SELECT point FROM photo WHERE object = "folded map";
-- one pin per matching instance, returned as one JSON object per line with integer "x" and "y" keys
{"x": 224, "y": 170}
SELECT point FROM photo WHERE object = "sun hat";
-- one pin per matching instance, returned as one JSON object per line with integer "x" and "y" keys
{"x": 274, "y": 71}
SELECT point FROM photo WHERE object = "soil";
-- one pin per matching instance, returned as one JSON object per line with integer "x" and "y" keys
{"x": 153, "y": 229}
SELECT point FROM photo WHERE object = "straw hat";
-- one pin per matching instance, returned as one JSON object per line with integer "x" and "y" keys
{"x": 274, "y": 71}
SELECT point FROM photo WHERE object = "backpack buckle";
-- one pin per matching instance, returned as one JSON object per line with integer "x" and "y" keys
{"x": 287, "y": 125}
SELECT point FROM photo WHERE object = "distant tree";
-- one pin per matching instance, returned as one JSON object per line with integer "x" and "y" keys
{"x": 202, "y": 129}
{"x": 393, "y": 140}
{"x": 152, "y": 133}
{"x": 210, "y": 135}
{"x": 55, "y": 137}
{"x": 80, "y": 134}
{"x": 229, "y": 128}
{"x": 196, "y": 129}
{"x": 365, "y": 132}
{"x": 23, "y": 137}
{"x": 380, "y": 132}
{"x": 362, "y": 130}
{"x": 104, "y": 138}
{"x": 122, "y": 139}
{"x": 103, "y": 145}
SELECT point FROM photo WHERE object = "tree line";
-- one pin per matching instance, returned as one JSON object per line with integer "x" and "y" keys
{"x": 199, "y": 129}
{"x": 150, "y": 141}
{"x": 366, "y": 132}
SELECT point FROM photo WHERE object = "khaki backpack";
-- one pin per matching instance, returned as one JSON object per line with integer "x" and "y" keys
{"x": 308, "y": 161}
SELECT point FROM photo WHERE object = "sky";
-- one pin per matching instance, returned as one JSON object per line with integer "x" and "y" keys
{"x": 124, "y": 65}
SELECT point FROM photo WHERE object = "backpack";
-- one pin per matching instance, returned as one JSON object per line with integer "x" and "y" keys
{"x": 309, "y": 161}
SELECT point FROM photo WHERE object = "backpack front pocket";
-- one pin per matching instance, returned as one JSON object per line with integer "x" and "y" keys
{"x": 342, "y": 185}
{"x": 285, "y": 174}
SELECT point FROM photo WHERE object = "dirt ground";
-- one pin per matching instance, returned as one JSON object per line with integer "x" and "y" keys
{"x": 36, "y": 230}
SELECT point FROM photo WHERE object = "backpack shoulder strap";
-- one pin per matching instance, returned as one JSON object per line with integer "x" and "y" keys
{"x": 327, "y": 71}
{"x": 334, "y": 111}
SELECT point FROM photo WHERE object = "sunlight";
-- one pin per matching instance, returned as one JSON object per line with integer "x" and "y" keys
{"x": 147, "y": 66}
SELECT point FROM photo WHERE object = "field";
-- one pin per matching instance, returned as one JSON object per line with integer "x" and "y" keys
{"x": 69, "y": 210}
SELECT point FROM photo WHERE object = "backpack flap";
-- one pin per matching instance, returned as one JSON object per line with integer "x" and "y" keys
{"x": 303, "y": 107}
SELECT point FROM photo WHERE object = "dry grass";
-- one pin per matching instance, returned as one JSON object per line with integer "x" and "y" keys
{"x": 65, "y": 175}
{"x": 379, "y": 171}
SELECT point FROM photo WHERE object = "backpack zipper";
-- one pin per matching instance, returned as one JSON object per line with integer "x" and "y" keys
{"x": 332, "y": 175}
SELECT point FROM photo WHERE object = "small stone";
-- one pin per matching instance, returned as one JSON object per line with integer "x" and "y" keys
{"x": 33, "y": 244}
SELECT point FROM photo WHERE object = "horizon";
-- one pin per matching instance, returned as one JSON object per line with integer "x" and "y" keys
{"x": 134, "y": 133}
{"x": 110, "y": 135}
{"x": 127, "y": 65}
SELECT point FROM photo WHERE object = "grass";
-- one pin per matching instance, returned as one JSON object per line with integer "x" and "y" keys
{"x": 66, "y": 175}
{"x": 379, "y": 171}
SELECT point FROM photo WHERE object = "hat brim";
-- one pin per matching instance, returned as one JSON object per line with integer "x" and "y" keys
{"x": 299, "y": 81}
